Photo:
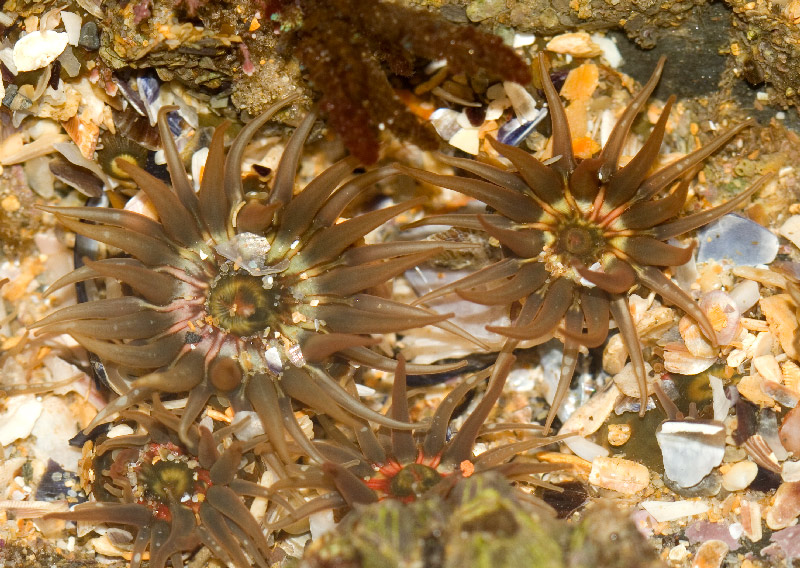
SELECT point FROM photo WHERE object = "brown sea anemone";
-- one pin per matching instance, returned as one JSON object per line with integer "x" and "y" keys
{"x": 370, "y": 466}
{"x": 578, "y": 235}
{"x": 178, "y": 495}
{"x": 245, "y": 297}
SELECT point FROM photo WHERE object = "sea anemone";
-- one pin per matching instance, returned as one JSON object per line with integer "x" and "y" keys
{"x": 177, "y": 494}
{"x": 370, "y": 466}
{"x": 579, "y": 234}
{"x": 245, "y": 297}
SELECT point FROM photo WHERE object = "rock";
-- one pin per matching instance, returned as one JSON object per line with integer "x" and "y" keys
{"x": 90, "y": 36}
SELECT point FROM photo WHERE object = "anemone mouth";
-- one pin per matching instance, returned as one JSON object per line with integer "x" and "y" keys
{"x": 579, "y": 234}
{"x": 165, "y": 474}
{"x": 240, "y": 304}
{"x": 582, "y": 242}
{"x": 406, "y": 482}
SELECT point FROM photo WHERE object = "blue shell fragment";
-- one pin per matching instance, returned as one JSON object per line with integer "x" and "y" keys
{"x": 515, "y": 131}
{"x": 738, "y": 240}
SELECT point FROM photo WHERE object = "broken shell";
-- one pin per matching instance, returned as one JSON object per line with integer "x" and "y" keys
{"x": 624, "y": 476}
{"x": 665, "y": 511}
{"x": 684, "y": 363}
{"x": 782, "y": 321}
{"x": 750, "y": 387}
{"x": 691, "y": 449}
{"x": 739, "y": 240}
{"x": 786, "y": 507}
{"x": 37, "y": 49}
{"x": 577, "y": 44}
{"x": 85, "y": 134}
{"x": 723, "y": 313}
{"x": 693, "y": 338}
{"x": 790, "y": 431}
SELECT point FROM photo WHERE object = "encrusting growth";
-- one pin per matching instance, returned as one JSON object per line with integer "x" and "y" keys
{"x": 578, "y": 235}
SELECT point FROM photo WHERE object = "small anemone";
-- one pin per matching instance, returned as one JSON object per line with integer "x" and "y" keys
{"x": 578, "y": 235}
{"x": 371, "y": 466}
{"x": 178, "y": 495}
{"x": 243, "y": 297}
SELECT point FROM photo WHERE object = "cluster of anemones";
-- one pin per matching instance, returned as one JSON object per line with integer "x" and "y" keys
{"x": 252, "y": 299}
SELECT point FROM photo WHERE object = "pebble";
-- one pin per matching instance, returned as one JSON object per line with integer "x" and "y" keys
{"x": 90, "y": 36}
{"x": 38, "y": 49}
{"x": 786, "y": 506}
{"x": 710, "y": 554}
{"x": 740, "y": 240}
{"x": 739, "y": 476}
{"x": 618, "y": 434}
{"x": 690, "y": 448}
{"x": 618, "y": 474}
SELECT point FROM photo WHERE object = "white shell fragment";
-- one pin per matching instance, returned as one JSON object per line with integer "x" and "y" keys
{"x": 618, "y": 474}
{"x": 248, "y": 251}
{"x": 791, "y": 229}
{"x": 691, "y": 449}
{"x": 72, "y": 25}
{"x": 665, "y": 511}
{"x": 577, "y": 44}
{"x": 521, "y": 100}
{"x": 18, "y": 419}
{"x": 739, "y": 240}
{"x": 721, "y": 403}
{"x": 38, "y": 49}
